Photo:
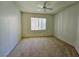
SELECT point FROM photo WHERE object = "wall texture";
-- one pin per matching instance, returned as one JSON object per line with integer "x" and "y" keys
{"x": 10, "y": 30}
{"x": 26, "y": 24}
{"x": 77, "y": 41}
{"x": 66, "y": 25}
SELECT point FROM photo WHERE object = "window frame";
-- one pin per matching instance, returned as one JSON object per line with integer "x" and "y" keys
{"x": 38, "y": 24}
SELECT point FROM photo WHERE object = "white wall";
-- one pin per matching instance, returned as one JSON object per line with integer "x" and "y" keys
{"x": 77, "y": 41}
{"x": 9, "y": 27}
{"x": 65, "y": 26}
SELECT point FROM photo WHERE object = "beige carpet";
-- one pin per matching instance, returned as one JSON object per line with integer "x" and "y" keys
{"x": 42, "y": 47}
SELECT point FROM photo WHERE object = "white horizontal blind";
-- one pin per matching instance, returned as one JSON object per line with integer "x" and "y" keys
{"x": 38, "y": 23}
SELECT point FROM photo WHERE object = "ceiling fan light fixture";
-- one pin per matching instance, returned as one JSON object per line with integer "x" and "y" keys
{"x": 44, "y": 7}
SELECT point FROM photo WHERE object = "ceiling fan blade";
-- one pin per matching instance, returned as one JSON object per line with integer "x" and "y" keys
{"x": 45, "y": 4}
{"x": 44, "y": 7}
{"x": 49, "y": 8}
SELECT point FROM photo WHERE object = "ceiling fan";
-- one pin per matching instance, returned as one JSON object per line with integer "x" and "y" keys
{"x": 44, "y": 7}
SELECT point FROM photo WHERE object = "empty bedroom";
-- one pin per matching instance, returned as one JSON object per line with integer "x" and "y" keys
{"x": 39, "y": 28}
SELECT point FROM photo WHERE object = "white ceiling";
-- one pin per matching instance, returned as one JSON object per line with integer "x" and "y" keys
{"x": 33, "y": 6}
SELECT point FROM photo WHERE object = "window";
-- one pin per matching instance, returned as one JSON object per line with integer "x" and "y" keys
{"x": 38, "y": 23}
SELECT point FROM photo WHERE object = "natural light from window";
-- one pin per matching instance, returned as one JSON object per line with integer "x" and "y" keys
{"x": 38, "y": 23}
